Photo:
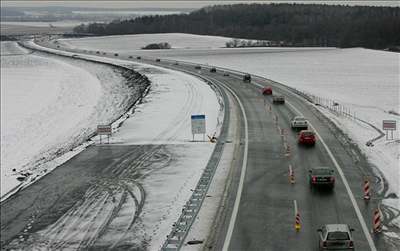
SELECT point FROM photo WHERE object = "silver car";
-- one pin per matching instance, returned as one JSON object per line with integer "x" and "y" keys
{"x": 335, "y": 237}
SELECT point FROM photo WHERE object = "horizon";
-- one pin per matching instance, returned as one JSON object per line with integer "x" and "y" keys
{"x": 176, "y": 4}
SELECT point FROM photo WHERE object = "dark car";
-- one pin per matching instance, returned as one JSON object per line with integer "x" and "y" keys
{"x": 335, "y": 237}
{"x": 226, "y": 73}
{"x": 307, "y": 137}
{"x": 158, "y": 60}
{"x": 116, "y": 54}
{"x": 176, "y": 63}
{"x": 267, "y": 90}
{"x": 197, "y": 67}
{"x": 278, "y": 99}
{"x": 130, "y": 57}
{"x": 321, "y": 176}
{"x": 138, "y": 57}
{"x": 213, "y": 69}
{"x": 247, "y": 78}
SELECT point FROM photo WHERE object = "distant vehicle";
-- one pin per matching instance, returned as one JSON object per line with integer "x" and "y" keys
{"x": 158, "y": 60}
{"x": 278, "y": 99}
{"x": 213, "y": 69}
{"x": 307, "y": 137}
{"x": 74, "y": 56}
{"x": 198, "y": 67}
{"x": 176, "y": 63}
{"x": 138, "y": 57}
{"x": 226, "y": 73}
{"x": 299, "y": 122}
{"x": 97, "y": 52}
{"x": 321, "y": 176}
{"x": 130, "y": 57}
{"x": 116, "y": 54}
{"x": 104, "y": 53}
{"x": 335, "y": 237}
{"x": 267, "y": 90}
{"x": 247, "y": 78}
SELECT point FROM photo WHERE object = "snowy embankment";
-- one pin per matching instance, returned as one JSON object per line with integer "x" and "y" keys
{"x": 161, "y": 122}
{"x": 49, "y": 106}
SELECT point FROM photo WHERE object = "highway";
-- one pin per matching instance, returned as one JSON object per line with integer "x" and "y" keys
{"x": 265, "y": 216}
{"x": 260, "y": 211}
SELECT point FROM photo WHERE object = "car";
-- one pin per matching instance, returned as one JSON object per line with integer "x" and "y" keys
{"x": 278, "y": 99}
{"x": 267, "y": 90}
{"x": 299, "y": 122}
{"x": 226, "y": 73}
{"x": 138, "y": 57}
{"x": 198, "y": 67}
{"x": 307, "y": 137}
{"x": 247, "y": 78}
{"x": 97, "y": 52}
{"x": 130, "y": 57}
{"x": 116, "y": 54}
{"x": 213, "y": 69}
{"x": 335, "y": 237}
{"x": 321, "y": 176}
{"x": 176, "y": 63}
{"x": 158, "y": 60}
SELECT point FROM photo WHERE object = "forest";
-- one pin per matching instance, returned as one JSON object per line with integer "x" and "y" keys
{"x": 285, "y": 24}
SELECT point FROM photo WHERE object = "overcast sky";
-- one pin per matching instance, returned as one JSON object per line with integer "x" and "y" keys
{"x": 172, "y": 4}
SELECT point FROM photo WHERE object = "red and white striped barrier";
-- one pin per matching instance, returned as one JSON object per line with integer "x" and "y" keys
{"x": 367, "y": 192}
{"x": 377, "y": 223}
{"x": 291, "y": 175}
{"x": 287, "y": 150}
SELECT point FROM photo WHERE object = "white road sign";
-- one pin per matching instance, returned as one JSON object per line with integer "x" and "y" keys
{"x": 198, "y": 124}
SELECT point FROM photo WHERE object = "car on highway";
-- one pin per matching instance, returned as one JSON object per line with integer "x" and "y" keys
{"x": 130, "y": 57}
{"x": 116, "y": 54}
{"x": 321, "y": 176}
{"x": 158, "y": 60}
{"x": 176, "y": 63}
{"x": 307, "y": 137}
{"x": 299, "y": 122}
{"x": 213, "y": 69}
{"x": 267, "y": 90}
{"x": 197, "y": 67}
{"x": 247, "y": 78}
{"x": 278, "y": 99}
{"x": 335, "y": 237}
{"x": 226, "y": 73}
{"x": 138, "y": 57}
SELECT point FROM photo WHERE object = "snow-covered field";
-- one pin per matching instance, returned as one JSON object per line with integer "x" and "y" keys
{"x": 130, "y": 43}
{"x": 49, "y": 106}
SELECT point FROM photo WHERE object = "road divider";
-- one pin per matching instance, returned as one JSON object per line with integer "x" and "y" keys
{"x": 377, "y": 222}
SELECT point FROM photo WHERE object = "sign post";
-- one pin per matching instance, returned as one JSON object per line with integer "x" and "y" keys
{"x": 389, "y": 125}
{"x": 104, "y": 130}
{"x": 198, "y": 125}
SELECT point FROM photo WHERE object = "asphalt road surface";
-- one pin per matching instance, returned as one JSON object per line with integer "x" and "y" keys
{"x": 264, "y": 217}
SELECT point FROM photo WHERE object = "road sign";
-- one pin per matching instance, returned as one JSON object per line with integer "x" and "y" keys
{"x": 198, "y": 124}
{"x": 389, "y": 125}
{"x": 104, "y": 129}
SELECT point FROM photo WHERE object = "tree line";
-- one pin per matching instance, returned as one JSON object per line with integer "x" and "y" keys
{"x": 288, "y": 24}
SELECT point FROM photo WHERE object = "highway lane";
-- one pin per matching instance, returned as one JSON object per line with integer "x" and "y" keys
{"x": 266, "y": 215}
{"x": 265, "y": 218}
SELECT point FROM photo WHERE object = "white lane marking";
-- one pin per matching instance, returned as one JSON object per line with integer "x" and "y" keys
{"x": 242, "y": 175}
{"x": 295, "y": 208}
{"x": 346, "y": 184}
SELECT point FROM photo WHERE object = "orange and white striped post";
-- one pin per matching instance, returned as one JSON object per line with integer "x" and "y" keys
{"x": 367, "y": 192}
{"x": 297, "y": 225}
{"x": 291, "y": 175}
{"x": 377, "y": 223}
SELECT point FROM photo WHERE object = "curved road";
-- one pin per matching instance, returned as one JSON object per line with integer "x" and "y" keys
{"x": 263, "y": 218}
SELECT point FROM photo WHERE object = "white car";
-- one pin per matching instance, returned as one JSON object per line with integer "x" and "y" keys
{"x": 299, "y": 122}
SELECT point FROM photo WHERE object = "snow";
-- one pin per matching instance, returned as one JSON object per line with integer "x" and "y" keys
{"x": 161, "y": 121}
{"x": 127, "y": 43}
{"x": 36, "y": 128}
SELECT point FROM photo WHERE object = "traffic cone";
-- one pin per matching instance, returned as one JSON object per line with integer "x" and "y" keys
{"x": 291, "y": 175}
{"x": 367, "y": 193}
{"x": 297, "y": 225}
{"x": 377, "y": 224}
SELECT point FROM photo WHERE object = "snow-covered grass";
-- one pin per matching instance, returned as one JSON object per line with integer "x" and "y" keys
{"x": 50, "y": 105}
{"x": 129, "y": 43}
